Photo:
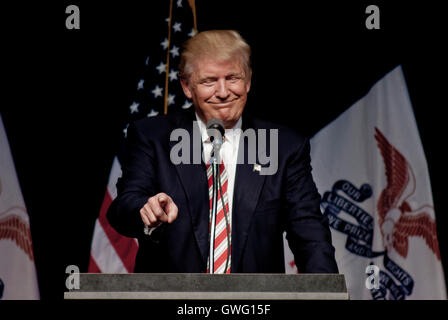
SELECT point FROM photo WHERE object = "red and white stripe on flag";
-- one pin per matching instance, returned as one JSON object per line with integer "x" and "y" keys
{"x": 110, "y": 251}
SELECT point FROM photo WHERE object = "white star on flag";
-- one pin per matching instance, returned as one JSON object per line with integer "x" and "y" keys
{"x": 176, "y": 27}
{"x": 157, "y": 91}
{"x": 171, "y": 99}
{"x": 179, "y": 3}
{"x": 125, "y": 130}
{"x": 134, "y": 107}
{"x": 187, "y": 104}
{"x": 152, "y": 113}
{"x": 173, "y": 75}
{"x": 140, "y": 84}
{"x": 174, "y": 51}
{"x": 164, "y": 44}
{"x": 161, "y": 67}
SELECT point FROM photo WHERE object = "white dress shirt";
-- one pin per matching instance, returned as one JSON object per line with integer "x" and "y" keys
{"x": 228, "y": 153}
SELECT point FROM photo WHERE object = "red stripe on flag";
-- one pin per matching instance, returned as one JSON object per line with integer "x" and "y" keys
{"x": 126, "y": 248}
{"x": 93, "y": 267}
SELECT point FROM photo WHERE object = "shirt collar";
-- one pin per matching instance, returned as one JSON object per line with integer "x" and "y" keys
{"x": 230, "y": 134}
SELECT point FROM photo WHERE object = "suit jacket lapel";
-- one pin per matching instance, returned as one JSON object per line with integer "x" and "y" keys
{"x": 248, "y": 185}
{"x": 193, "y": 177}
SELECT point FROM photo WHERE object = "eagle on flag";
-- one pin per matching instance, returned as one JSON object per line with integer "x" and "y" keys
{"x": 398, "y": 220}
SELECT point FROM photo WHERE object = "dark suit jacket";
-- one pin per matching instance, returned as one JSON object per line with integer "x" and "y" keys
{"x": 263, "y": 205}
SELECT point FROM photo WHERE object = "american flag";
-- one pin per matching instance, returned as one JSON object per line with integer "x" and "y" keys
{"x": 157, "y": 91}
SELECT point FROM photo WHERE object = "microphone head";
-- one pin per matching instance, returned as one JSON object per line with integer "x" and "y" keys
{"x": 215, "y": 124}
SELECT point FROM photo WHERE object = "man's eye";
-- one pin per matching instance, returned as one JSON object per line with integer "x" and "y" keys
{"x": 234, "y": 78}
{"x": 208, "y": 82}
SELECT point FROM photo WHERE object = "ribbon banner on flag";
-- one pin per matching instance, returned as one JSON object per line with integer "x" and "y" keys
{"x": 18, "y": 280}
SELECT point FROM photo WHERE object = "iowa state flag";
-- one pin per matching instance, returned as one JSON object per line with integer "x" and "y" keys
{"x": 370, "y": 168}
{"x": 18, "y": 279}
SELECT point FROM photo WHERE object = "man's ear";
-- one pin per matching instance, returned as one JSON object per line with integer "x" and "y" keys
{"x": 186, "y": 88}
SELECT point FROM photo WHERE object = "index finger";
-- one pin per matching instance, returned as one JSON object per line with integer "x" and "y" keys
{"x": 171, "y": 210}
{"x": 158, "y": 209}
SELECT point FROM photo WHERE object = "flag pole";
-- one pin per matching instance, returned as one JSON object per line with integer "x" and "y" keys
{"x": 192, "y": 4}
{"x": 165, "y": 110}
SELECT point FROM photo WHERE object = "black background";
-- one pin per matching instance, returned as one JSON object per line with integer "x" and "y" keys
{"x": 67, "y": 91}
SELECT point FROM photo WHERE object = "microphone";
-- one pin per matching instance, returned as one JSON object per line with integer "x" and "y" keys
{"x": 215, "y": 130}
{"x": 216, "y": 124}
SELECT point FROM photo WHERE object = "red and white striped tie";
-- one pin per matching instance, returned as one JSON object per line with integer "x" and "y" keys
{"x": 222, "y": 245}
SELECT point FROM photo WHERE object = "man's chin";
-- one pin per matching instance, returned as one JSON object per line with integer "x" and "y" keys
{"x": 227, "y": 119}
{"x": 228, "y": 116}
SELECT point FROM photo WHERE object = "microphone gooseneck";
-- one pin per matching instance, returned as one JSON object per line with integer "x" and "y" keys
{"x": 215, "y": 130}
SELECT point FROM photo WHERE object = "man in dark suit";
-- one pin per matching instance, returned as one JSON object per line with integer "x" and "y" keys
{"x": 167, "y": 205}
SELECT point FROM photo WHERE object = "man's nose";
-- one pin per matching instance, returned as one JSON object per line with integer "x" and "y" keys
{"x": 222, "y": 91}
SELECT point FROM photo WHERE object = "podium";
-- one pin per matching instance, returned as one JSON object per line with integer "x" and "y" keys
{"x": 199, "y": 286}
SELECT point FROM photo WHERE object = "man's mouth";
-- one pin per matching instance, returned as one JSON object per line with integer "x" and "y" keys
{"x": 223, "y": 104}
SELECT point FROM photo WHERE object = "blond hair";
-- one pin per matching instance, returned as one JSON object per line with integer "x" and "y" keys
{"x": 219, "y": 44}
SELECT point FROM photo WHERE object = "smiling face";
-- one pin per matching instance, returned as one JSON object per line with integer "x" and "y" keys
{"x": 218, "y": 89}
